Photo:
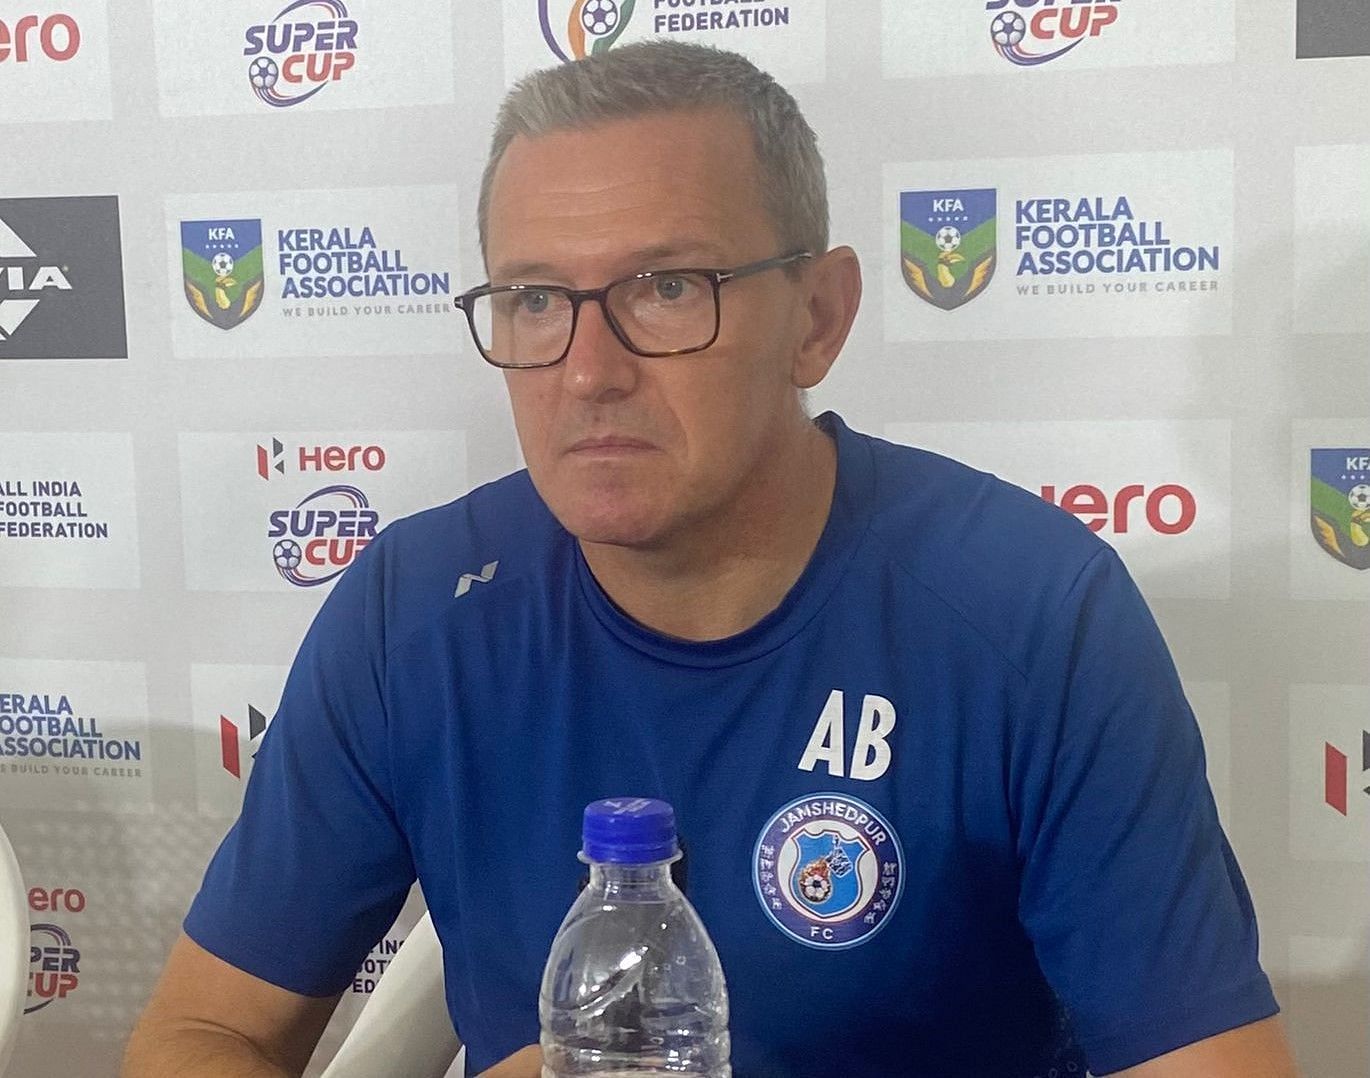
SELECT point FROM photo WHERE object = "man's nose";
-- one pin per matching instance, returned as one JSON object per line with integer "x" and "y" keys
{"x": 598, "y": 367}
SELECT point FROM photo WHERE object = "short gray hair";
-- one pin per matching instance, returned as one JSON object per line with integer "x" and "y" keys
{"x": 665, "y": 76}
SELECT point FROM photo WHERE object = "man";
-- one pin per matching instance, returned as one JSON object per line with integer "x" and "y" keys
{"x": 944, "y": 801}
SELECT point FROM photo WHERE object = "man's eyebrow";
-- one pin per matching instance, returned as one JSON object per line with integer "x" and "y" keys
{"x": 661, "y": 255}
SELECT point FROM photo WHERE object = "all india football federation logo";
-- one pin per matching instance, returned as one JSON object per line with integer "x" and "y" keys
{"x": 828, "y": 870}
{"x": 947, "y": 244}
{"x": 1047, "y": 30}
{"x": 1339, "y": 504}
{"x": 585, "y": 28}
{"x": 307, "y": 46}
{"x": 222, "y": 269}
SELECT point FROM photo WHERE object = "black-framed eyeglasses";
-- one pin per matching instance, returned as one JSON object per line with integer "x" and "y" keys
{"x": 667, "y": 312}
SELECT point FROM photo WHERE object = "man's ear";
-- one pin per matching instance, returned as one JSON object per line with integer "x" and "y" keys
{"x": 832, "y": 296}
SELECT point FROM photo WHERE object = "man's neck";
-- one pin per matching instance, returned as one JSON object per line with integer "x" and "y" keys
{"x": 723, "y": 579}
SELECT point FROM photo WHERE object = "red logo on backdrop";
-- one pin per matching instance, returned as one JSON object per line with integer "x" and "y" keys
{"x": 54, "y": 960}
{"x": 319, "y": 458}
{"x": 1168, "y": 509}
{"x": 29, "y": 38}
{"x": 1336, "y": 770}
{"x": 230, "y": 739}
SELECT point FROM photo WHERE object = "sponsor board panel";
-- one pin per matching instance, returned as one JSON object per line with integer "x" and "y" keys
{"x": 232, "y": 707}
{"x": 1328, "y": 995}
{"x": 1157, "y": 491}
{"x": 315, "y": 273}
{"x": 61, "y": 278}
{"x": 1331, "y": 28}
{"x": 1332, "y": 238}
{"x": 996, "y": 37}
{"x": 1329, "y": 772}
{"x": 67, "y": 511}
{"x": 74, "y": 735}
{"x": 286, "y": 511}
{"x": 260, "y": 58}
{"x": 1329, "y": 516}
{"x": 1110, "y": 245}
{"x": 786, "y": 38}
{"x": 54, "y": 62}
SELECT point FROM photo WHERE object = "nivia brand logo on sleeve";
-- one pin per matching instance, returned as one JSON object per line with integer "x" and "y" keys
{"x": 486, "y": 575}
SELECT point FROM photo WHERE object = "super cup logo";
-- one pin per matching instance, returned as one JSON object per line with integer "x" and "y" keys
{"x": 1049, "y": 30}
{"x": 322, "y": 535}
{"x": 828, "y": 871}
{"x": 54, "y": 959}
{"x": 295, "y": 56}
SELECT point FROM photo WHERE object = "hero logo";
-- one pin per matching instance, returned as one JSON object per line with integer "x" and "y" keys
{"x": 1168, "y": 509}
{"x": 22, "y": 286}
{"x": 1055, "y": 27}
{"x": 230, "y": 739}
{"x": 320, "y": 458}
{"x": 312, "y": 53}
{"x": 58, "y": 39}
{"x": 54, "y": 961}
{"x": 322, "y": 535}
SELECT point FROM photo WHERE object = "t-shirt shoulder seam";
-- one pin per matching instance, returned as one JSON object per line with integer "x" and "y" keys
{"x": 946, "y": 602}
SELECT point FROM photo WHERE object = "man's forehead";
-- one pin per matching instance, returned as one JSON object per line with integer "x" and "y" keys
{"x": 663, "y": 184}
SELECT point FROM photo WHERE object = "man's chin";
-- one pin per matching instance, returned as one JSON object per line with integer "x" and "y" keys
{"x": 610, "y": 526}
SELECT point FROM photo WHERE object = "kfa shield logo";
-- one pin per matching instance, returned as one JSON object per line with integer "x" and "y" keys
{"x": 1339, "y": 504}
{"x": 583, "y": 28}
{"x": 947, "y": 244}
{"x": 222, "y": 269}
{"x": 828, "y": 871}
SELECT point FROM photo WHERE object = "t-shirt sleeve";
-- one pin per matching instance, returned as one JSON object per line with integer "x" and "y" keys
{"x": 316, "y": 868}
{"x": 1129, "y": 890}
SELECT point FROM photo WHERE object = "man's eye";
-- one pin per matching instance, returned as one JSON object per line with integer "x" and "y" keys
{"x": 671, "y": 287}
{"x": 534, "y": 302}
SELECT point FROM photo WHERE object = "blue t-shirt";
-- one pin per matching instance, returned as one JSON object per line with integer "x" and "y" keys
{"x": 945, "y": 807}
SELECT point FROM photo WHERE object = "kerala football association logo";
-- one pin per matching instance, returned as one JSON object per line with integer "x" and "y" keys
{"x": 222, "y": 269}
{"x": 947, "y": 244}
{"x": 584, "y": 27}
{"x": 1339, "y": 504}
{"x": 828, "y": 870}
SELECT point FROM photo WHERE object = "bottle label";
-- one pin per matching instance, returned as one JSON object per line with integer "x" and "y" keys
{"x": 828, "y": 870}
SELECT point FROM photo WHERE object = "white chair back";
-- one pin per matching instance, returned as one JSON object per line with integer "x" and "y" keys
{"x": 14, "y": 949}
{"x": 404, "y": 1031}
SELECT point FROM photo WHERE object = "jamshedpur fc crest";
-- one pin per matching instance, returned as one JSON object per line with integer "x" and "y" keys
{"x": 1339, "y": 504}
{"x": 583, "y": 28}
{"x": 946, "y": 244}
{"x": 222, "y": 269}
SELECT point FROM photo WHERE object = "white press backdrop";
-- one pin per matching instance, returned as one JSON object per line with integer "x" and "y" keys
{"x": 145, "y": 626}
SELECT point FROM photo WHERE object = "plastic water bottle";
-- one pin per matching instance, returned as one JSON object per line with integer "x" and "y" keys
{"x": 633, "y": 986}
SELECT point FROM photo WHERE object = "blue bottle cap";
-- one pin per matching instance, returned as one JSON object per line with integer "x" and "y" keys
{"x": 629, "y": 831}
